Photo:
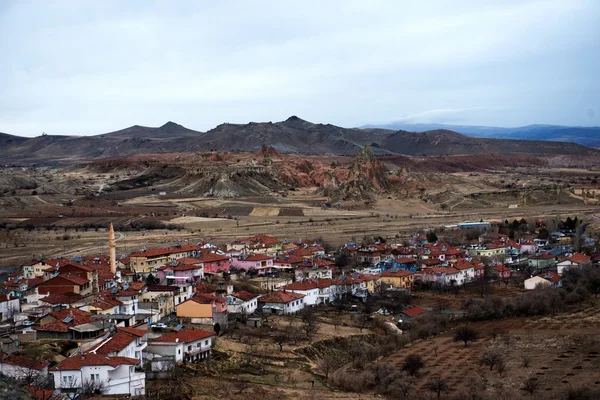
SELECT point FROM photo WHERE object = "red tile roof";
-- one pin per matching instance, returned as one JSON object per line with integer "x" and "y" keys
{"x": 64, "y": 298}
{"x": 24, "y": 362}
{"x": 280, "y": 297}
{"x": 113, "y": 344}
{"x": 400, "y": 273}
{"x": 579, "y": 258}
{"x": 133, "y": 331}
{"x": 244, "y": 295}
{"x": 256, "y": 257}
{"x": 166, "y": 251}
{"x": 89, "y": 359}
{"x": 309, "y": 284}
{"x": 413, "y": 311}
{"x": 185, "y": 335}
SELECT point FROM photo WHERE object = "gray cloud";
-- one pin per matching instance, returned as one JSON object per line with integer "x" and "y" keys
{"x": 72, "y": 67}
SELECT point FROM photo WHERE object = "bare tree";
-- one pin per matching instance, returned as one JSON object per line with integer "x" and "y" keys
{"x": 413, "y": 364}
{"x": 329, "y": 362}
{"x": 465, "y": 334}
{"x": 491, "y": 359}
{"x": 531, "y": 385}
{"x": 309, "y": 323}
{"x": 92, "y": 387}
{"x": 525, "y": 361}
{"x": 438, "y": 386}
{"x": 281, "y": 338}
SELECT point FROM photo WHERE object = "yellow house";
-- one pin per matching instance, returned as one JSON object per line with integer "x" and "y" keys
{"x": 398, "y": 278}
{"x": 203, "y": 309}
{"x": 372, "y": 282}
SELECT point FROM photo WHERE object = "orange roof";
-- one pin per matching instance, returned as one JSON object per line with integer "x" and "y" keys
{"x": 185, "y": 335}
{"x": 579, "y": 258}
{"x": 280, "y": 297}
{"x": 90, "y": 359}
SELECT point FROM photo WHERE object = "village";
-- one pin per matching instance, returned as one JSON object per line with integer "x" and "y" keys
{"x": 123, "y": 322}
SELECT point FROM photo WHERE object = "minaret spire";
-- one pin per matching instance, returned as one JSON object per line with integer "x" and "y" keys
{"x": 112, "y": 248}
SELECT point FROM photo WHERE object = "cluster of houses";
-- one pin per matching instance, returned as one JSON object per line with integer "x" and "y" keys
{"x": 117, "y": 309}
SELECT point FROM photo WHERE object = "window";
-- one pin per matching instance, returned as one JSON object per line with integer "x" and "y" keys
{"x": 198, "y": 344}
{"x": 95, "y": 377}
{"x": 189, "y": 348}
{"x": 206, "y": 342}
{"x": 179, "y": 351}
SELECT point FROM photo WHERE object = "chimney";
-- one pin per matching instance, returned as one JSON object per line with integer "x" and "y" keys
{"x": 112, "y": 248}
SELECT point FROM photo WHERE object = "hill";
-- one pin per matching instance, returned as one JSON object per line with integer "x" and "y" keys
{"x": 293, "y": 135}
{"x": 587, "y": 136}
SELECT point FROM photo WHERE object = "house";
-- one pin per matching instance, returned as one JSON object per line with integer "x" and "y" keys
{"x": 574, "y": 261}
{"x": 398, "y": 278}
{"x": 503, "y": 271}
{"x": 315, "y": 291}
{"x": 185, "y": 345}
{"x": 186, "y": 270}
{"x": 124, "y": 342}
{"x": 204, "y": 309}
{"x": 242, "y": 302}
{"x": 259, "y": 263}
{"x": 536, "y": 281}
{"x": 442, "y": 276}
{"x": 214, "y": 263}
{"x": 117, "y": 374}
{"x": 66, "y": 283}
{"x": 8, "y": 307}
{"x": 281, "y": 302}
{"x": 23, "y": 368}
{"x": 270, "y": 284}
{"x": 466, "y": 269}
{"x": 147, "y": 261}
{"x": 314, "y": 269}
{"x": 176, "y": 294}
{"x": 70, "y": 324}
{"x": 82, "y": 271}
{"x": 542, "y": 261}
{"x": 409, "y": 313}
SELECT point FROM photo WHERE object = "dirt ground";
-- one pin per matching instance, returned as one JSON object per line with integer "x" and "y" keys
{"x": 562, "y": 351}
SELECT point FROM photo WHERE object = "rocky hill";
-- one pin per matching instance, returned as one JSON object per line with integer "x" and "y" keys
{"x": 293, "y": 135}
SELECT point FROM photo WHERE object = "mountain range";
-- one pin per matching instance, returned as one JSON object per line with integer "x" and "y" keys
{"x": 294, "y": 135}
{"x": 587, "y": 136}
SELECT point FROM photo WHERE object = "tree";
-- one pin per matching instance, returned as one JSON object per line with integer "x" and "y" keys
{"x": 281, "y": 338}
{"x": 309, "y": 322}
{"x": 531, "y": 385}
{"x": 431, "y": 237}
{"x": 329, "y": 362}
{"x": 413, "y": 364}
{"x": 438, "y": 386}
{"x": 491, "y": 359}
{"x": 91, "y": 388}
{"x": 152, "y": 280}
{"x": 465, "y": 334}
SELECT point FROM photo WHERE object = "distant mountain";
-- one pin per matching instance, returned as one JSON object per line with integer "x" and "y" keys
{"x": 587, "y": 136}
{"x": 293, "y": 135}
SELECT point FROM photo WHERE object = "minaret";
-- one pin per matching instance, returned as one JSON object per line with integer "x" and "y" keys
{"x": 112, "y": 248}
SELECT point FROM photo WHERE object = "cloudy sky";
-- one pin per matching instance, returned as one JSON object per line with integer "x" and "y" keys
{"x": 88, "y": 67}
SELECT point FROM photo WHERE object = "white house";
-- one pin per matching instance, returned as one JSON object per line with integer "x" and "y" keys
{"x": 535, "y": 282}
{"x": 444, "y": 276}
{"x": 466, "y": 271}
{"x": 575, "y": 261}
{"x": 22, "y": 368}
{"x": 191, "y": 345}
{"x": 8, "y": 307}
{"x": 315, "y": 291}
{"x": 282, "y": 302}
{"x": 125, "y": 342}
{"x": 117, "y": 374}
{"x": 242, "y": 302}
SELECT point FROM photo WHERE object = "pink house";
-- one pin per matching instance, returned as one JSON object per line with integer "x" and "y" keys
{"x": 503, "y": 271}
{"x": 260, "y": 263}
{"x": 179, "y": 273}
{"x": 213, "y": 263}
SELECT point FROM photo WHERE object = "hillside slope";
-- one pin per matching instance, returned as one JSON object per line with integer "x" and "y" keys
{"x": 293, "y": 135}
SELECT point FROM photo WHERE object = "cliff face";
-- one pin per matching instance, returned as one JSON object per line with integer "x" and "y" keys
{"x": 366, "y": 177}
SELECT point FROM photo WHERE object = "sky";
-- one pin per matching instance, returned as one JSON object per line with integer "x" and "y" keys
{"x": 89, "y": 67}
